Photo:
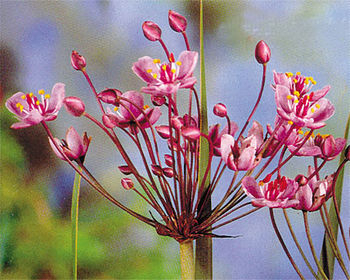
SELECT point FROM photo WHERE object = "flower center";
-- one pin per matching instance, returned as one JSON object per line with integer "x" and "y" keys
{"x": 34, "y": 103}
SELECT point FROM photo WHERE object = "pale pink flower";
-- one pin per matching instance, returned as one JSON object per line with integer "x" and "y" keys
{"x": 128, "y": 114}
{"x": 166, "y": 78}
{"x": 74, "y": 146}
{"x": 30, "y": 110}
{"x": 312, "y": 195}
{"x": 296, "y": 105}
{"x": 275, "y": 194}
{"x": 241, "y": 154}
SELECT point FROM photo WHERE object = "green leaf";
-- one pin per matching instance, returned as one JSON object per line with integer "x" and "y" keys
{"x": 203, "y": 244}
{"x": 74, "y": 217}
{"x": 327, "y": 256}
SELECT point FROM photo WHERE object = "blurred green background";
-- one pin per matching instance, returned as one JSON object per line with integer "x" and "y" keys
{"x": 37, "y": 38}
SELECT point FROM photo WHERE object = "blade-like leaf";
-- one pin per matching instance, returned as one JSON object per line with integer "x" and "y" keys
{"x": 74, "y": 218}
{"x": 203, "y": 244}
{"x": 327, "y": 256}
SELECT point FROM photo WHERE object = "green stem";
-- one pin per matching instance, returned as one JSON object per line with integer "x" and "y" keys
{"x": 74, "y": 218}
{"x": 187, "y": 260}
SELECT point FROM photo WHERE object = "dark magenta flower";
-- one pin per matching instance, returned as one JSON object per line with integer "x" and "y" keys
{"x": 74, "y": 146}
{"x": 31, "y": 111}
{"x": 166, "y": 78}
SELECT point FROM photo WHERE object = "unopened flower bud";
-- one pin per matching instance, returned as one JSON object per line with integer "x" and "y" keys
{"x": 74, "y": 105}
{"x": 110, "y": 96}
{"x": 163, "y": 131}
{"x": 151, "y": 31}
{"x": 125, "y": 169}
{"x": 169, "y": 161}
{"x": 127, "y": 183}
{"x": 156, "y": 170}
{"x": 169, "y": 172}
{"x": 328, "y": 146}
{"x": 158, "y": 100}
{"x": 107, "y": 121}
{"x": 220, "y": 110}
{"x": 262, "y": 52}
{"x": 78, "y": 61}
{"x": 191, "y": 133}
{"x": 177, "y": 122}
{"x": 301, "y": 179}
{"x": 177, "y": 22}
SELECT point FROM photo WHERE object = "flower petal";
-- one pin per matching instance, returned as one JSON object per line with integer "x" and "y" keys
{"x": 188, "y": 61}
{"x": 55, "y": 101}
{"x": 144, "y": 68}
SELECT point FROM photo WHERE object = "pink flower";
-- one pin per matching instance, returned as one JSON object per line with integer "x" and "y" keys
{"x": 243, "y": 157}
{"x": 215, "y": 136}
{"x": 166, "y": 78}
{"x": 296, "y": 105}
{"x": 31, "y": 111}
{"x": 275, "y": 194}
{"x": 311, "y": 196}
{"x": 128, "y": 113}
{"x": 74, "y": 147}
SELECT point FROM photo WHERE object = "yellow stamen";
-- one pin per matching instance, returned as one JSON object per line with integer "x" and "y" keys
{"x": 37, "y": 102}
{"x": 296, "y": 101}
{"x": 295, "y": 81}
{"x": 164, "y": 67}
{"x": 307, "y": 97}
{"x": 289, "y": 74}
{"x": 289, "y": 97}
{"x": 313, "y": 135}
{"x": 173, "y": 70}
{"x": 149, "y": 70}
{"x": 18, "y": 105}
{"x": 297, "y": 73}
{"x": 312, "y": 110}
{"x": 313, "y": 82}
{"x": 31, "y": 94}
{"x": 155, "y": 61}
{"x": 325, "y": 136}
{"x": 145, "y": 107}
{"x": 21, "y": 108}
{"x": 115, "y": 109}
{"x": 290, "y": 122}
{"x": 300, "y": 132}
{"x": 155, "y": 75}
{"x": 318, "y": 106}
{"x": 261, "y": 183}
{"x": 47, "y": 96}
{"x": 41, "y": 91}
{"x": 306, "y": 81}
{"x": 296, "y": 93}
{"x": 23, "y": 96}
{"x": 179, "y": 63}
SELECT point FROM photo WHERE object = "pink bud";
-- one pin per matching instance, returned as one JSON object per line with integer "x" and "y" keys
{"x": 169, "y": 172}
{"x": 169, "y": 160}
{"x": 125, "y": 169}
{"x": 158, "y": 100}
{"x": 262, "y": 52}
{"x": 220, "y": 110}
{"x": 156, "y": 170}
{"x": 163, "y": 131}
{"x": 177, "y": 122}
{"x": 191, "y": 133}
{"x": 151, "y": 31}
{"x": 127, "y": 183}
{"x": 107, "y": 121}
{"x": 177, "y": 22}
{"x": 74, "y": 105}
{"x": 78, "y": 61}
{"x": 110, "y": 96}
{"x": 328, "y": 146}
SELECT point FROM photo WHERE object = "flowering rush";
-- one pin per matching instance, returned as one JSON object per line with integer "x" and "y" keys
{"x": 169, "y": 172}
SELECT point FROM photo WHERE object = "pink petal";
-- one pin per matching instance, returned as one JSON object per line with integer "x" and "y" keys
{"x": 74, "y": 142}
{"x": 251, "y": 187}
{"x": 318, "y": 94}
{"x": 227, "y": 141}
{"x": 19, "y": 125}
{"x": 304, "y": 196}
{"x": 246, "y": 159}
{"x": 137, "y": 99}
{"x": 188, "y": 61}
{"x": 281, "y": 98}
{"x": 142, "y": 65}
{"x": 188, "y": 82}
{"x": 11, "y": 104}
{"x": 58, "y": 142}
{"x": 56, "y": 100}
{"x": 257, "y": 131}
{"x": 280, "y": 79}
{"x": 34, "y": 117}
{"x": 325, "y": 111}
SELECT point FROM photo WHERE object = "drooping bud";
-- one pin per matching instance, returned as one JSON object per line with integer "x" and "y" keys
{"x": 191, "y": 133}
{"x": 78, "y": 61}
{"x": 163, "y": 131}
{"x": 220, "y": 110}
{"x": 156, "y": 169}
{"x": 151, "y": 31}
{"x": 262, "y": 52}
{"x": 127, "y": 183}
{"x": 169, "y": 172}
{"x": 110, "y": 96}
{"x": 125, "y": 169}
{"x": 177, "y": 22}
{"x": 158, "y": 100}
{"x": 74, "y": 105}
{"x": 169, "y": 161}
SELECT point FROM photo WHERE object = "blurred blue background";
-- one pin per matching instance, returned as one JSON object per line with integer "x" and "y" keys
{"x": 37, "y": 38}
